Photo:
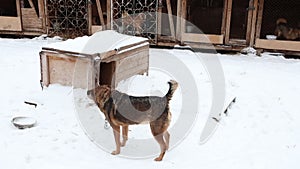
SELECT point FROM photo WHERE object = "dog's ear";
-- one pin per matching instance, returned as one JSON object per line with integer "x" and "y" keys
{"x": 91, "y": 94}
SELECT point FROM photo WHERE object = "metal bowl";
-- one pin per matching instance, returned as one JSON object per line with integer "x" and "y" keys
{"x": 23, "y": 122}
{"x": 271, "y": 37}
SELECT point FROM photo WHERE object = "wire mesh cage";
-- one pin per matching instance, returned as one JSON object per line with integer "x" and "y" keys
{"x": 67, "y": 19}
{"x": 281, "y": 16}
{"x": 136, "y": 17}
{"x": 199, "y": 10}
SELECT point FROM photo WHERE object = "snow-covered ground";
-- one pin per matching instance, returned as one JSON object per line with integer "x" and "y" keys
{"x": 262, "y": 129}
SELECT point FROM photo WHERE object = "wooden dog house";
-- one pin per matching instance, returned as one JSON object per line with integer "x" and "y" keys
{"x": 106, "y": 57}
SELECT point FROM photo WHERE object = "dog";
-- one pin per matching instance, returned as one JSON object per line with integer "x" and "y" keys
{"x": 122, "y": 110}
{"x": 284, "y": 32}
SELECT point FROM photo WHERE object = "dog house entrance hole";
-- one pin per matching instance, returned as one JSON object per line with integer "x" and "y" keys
{"x": 107, "y": 73}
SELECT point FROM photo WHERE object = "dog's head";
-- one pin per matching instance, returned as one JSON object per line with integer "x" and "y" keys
{"x": 281, "y": 27}
{"x": 100, "y": 95}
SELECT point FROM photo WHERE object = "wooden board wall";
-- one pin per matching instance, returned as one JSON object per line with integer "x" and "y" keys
{"x": 278, "y": 45}
{"x": 61, "y": 69}
{"x": 31, "y": 20}
{"x": 8, "y": 23}
{"x": 132, "y": 65}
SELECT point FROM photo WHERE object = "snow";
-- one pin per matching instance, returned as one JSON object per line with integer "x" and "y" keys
{"x": 261, "y": 130}
{"x": 99, "y": 42}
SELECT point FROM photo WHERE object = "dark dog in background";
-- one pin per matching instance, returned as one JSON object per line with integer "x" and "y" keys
{"x": 122, "y": 110}
{"x": 284, "y": 32}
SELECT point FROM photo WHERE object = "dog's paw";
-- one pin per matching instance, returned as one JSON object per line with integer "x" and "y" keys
{"x": 158, "y": 159}
{"x": 115, "y": 152}
{"x": 123, "y": 143}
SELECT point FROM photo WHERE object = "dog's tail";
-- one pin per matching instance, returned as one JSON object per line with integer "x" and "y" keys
{"x": 173, "y": 86}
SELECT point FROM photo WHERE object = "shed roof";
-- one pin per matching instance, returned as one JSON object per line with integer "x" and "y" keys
{"x": 99, "y": 42}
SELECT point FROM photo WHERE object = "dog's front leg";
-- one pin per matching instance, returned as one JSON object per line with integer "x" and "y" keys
{"x": 117, "y": 140}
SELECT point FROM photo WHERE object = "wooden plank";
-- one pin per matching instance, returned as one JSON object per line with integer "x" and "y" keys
{"x": 278, "y": 45}
{"x": 100, "y": 13}
{"x": 228, "y": 20}
{"x": 132, "y": 45}
{"x": 18, "y": 8}
{"x": 69, "y": 53}
{"x": 249, "y": 21}
{"x": 109, "y": 14}
{"x": 90, "y": 24}
{"x": 171, "y": 22}
{"x": 178, "y": 21}
{"x": 42, "y": 15}
{"x": 241, "y": 42}
{"x": 47, "y": 21}
{"x": 22, "y": 33}
{"x": 31, "y": 20}
{"x": 125, "y": 54}
{"x": 61, "y": 70}
{"x": 96, "y": 28}
{"x": 44, "y": 69}
{"x": 137, "y": 68}
{"x": 159, "y": 14}
{"x": 141, "y": 69}
{"x": 132, "y": 62}
{"x": 41, "y": 6}
{"x": 253, "y": 23}
{"x": 183, "y": 18}
{"x": 259, "y": 18}
{"x": 203, "y": 38}
{"x": 223, "y": 27}
{"x": 213, "y": 48}
{"x": 31, "y": 4}
{"x": 8, "y": 23}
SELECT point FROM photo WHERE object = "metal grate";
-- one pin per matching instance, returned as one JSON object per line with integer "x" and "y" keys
{"x": 66, "y": 18}
{"x": 136, "y": 17}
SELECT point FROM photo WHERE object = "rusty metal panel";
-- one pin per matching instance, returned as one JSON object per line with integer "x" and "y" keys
{"x": 67, "y": 19}
{"x": 136, "y": 17}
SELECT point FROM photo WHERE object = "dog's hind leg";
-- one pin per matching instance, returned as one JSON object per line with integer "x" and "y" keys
{"x": 167, "y": 139}
{"x": 163, "y": 148}
{"x": 124, "y": 135}
{"x": 117, "y": 140}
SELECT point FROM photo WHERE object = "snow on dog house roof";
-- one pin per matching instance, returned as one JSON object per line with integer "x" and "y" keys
{"x": 121, "y": 56}
{"x": 99, "y": 42}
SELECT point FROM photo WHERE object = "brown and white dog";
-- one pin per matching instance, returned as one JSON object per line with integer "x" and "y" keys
{"x": 284, "y": 32}
{"x": 122, "y": 110}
